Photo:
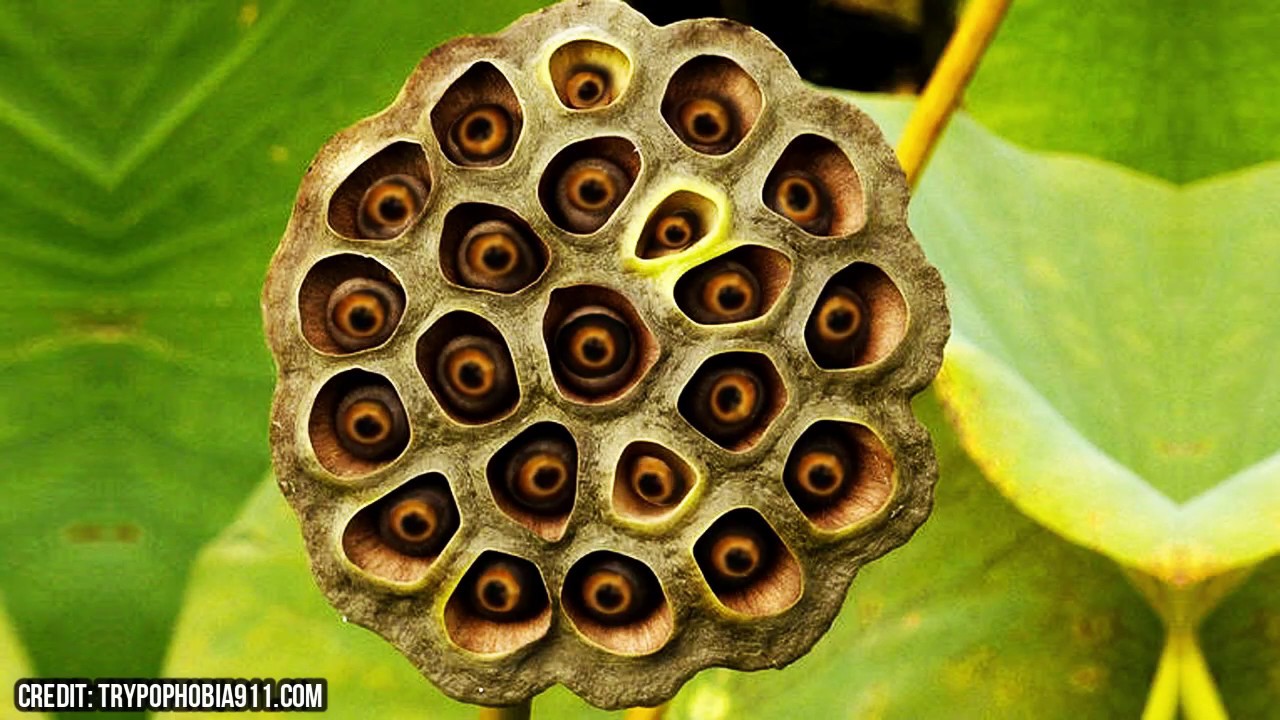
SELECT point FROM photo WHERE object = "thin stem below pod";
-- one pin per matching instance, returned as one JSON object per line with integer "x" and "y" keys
{"x": 521, "y": 711}
{"x": 646, "y": 713}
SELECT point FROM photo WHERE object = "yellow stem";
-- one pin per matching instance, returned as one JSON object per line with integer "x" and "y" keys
{"x": 646, "y": 713}
{"x": 1162, "y": 700}
{"x": 942, "y": 94}
{"x": 1200, "y": 699}
{"x": 509, "y": 712}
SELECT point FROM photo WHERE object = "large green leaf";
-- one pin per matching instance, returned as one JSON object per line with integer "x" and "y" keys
{"x": 1183, "y": 90}
{"x": 1109, "y": 330}
{"x": 149, "y": 153}
{"x": 13, "y": 665}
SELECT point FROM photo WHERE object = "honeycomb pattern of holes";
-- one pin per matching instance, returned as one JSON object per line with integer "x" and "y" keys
{"x": 841, "y": 499}
{"x": 651, "y": 482}
{"x": 478, "y": 120}
{"x": 741, "y": 285}
{"x": 585, "y": 183}
{"x": 589, "y": 74}
{"x": 513, "y": 475}
{"x": 617, "y": 602}
{"x": 399, "y": 173}
{"x": 884, "y": 322}
{"x": 747, "y": 566}
{"x": 588, "y": 312}
{"x": 733, "y": 398}
{"x": 679, "y": 221}
{"x": 467, "y": 365}
{"x": 463, "y": 258}
{"x": 711, "y": 104}
{"x": 323, "y": 423}
{"x": 481, "y": 615}
{"x": 813, "y": 165}
{"x": 372, "y": 542}
{"x": 316, "y": 302}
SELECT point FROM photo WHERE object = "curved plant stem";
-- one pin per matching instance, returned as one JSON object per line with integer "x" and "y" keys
{"x": 1200, "y": 699}
{"x": 942, "y": 94}
{"x": 510, "y": 712}
{"x": 646, "y": 713}
{"x": 1162, "y": 701}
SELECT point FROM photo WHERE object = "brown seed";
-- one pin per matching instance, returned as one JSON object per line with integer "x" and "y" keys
{"x": 588, "y": 88}
{"x": 595, "y": 350}
{"x": 615, "y": 590}
{"x": 483, "y": 133}
{"x": 724, "y": 404}
{"x": 722, "y": 291}
{"x": 655, "y": 481}
{"x": 505, "y": 589}
{"x": 819, "y": 471}
{"x": 838, "y": 328}
{"x": 417, "y": 522}
{"x": 733, "y": 555}
{"x": 389, "y": 206}
{"x": 801, "y": 198}
{"x": 475, "y": 376}
{"x": 496, "y": 256}
{"x": 707, "y": 124}
{"x": 541, "y": 475}
{"x": 362, "y": 313}
{"x": 370, "y": 423}
{"x": 588, "y": 192}
{"x": 676, "y": 231}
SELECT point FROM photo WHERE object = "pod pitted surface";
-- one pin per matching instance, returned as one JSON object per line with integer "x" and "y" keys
{"x": 613, "y": 458}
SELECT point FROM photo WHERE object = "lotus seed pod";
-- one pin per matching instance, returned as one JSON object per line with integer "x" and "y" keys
{"x": 596, "y": 351}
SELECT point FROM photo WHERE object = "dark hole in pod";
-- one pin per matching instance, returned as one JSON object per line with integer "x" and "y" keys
{"x": 534, "y": 477}
{"x": 738, "y": 286}
{"x": 468, "y": 367}
{"x": 612, "y": 589}
{"x": 747, "y": 565}
{"x": 732, "y": 398}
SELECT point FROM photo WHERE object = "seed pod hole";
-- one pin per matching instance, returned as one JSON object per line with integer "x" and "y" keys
{"x": 478, "y": 119}
{"x": 349, "y": 303}
{"x": 740, "y": 285}
{"x": 500, "y": 606}
{"x": 588, "y": 74}
{"x": 617, "y": 602}
{"x": 711, "y": 103}
{"x": 401, "y": 534}
{"x": 732, "y": 399}
{"x": 534, "y": 478}
{"x": 487, "y": 247}
{"x": 586, "y": 182}
{"x": 815, "y": 186}
{"x": 678, "y": 222}
{"x": 467, "y": 366}
{"x": 748, "y": 567}
{"x": 859, "y": 319}
{"x": 598, "y": 344}
{"x": 357, "y": 424}
{"x": 651, "y": 482}
{"x": 385, "y": 195}
{"x": 839, "y": 474}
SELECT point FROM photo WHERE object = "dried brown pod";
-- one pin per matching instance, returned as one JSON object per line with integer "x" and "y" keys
{"x": 655, "y": 318}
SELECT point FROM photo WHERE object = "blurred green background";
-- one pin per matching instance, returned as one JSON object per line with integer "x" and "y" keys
{"x": 1109, "y": 473}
